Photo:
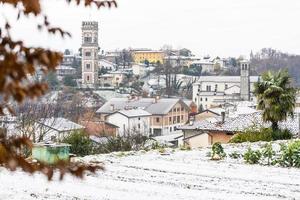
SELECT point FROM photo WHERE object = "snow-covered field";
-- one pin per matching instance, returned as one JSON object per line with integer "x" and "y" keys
{"x": 184, "y": 175}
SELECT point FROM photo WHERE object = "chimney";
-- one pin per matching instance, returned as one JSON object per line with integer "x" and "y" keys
{"x": 112, "y": 107}
{"x": 223, "y": 116}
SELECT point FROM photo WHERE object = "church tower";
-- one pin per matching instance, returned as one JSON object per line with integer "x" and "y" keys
{"x": 89, "y": 51}
{"x": 245, "y": 80}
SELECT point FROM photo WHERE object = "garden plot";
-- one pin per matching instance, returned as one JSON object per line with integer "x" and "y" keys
{"x": 149, "y": 175}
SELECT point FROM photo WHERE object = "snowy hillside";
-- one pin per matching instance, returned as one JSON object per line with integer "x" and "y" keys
{"x": 188, "y": 175}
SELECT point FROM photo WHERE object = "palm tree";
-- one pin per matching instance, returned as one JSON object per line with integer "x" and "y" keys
{"x": 275, "y": 96}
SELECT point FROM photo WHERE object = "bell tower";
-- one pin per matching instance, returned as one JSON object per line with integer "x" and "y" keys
{"x": 89, "y": 51}
{"x": 245, "y": 80}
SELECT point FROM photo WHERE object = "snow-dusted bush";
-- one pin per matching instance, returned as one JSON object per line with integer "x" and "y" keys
{"x": 235, "y": 155}
{"x": 217, "y": 151}
{"x": 252, "y": 156}
{"x": 268, "y": 153}
{"x": 253, "y": 134}
{"x": 290, "y": 156}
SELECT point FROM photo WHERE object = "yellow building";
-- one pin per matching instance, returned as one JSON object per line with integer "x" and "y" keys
{"x": 151, "y": 56}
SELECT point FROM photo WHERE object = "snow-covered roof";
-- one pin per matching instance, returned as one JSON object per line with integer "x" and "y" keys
{"x": 60, "y": 124}
{"x": 225, "y": 79}
{"x": 134, "y": 113}
{"x": 158, "y": 107}
{"x": 242, "y": 122}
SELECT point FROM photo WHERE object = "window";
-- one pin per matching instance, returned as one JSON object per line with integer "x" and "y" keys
{"x": 226, "y": 86}
{"x": 88, "y": 66}
{"x": 170, "y": 129}
{"x": 195, "y": 99}
{"x": 117, "y": 79}
{"x": 174, "y": 110}
{"x": 178, "y": 119}
{"x": 157, "y": 119}
{"x": 178, "y": 109}
{"x": 170, "y": 119}
{"x": 88, "y": 39}
{"x": 182, "y": 108}
{"x": 139, "y": 118}
{"x": 139, "y": 126}
{"x": 208, "y": 88}
{"x": 205, "y": 99}
{"x": 216, "y": 87}
{"x": 201, "y": 99}
{"x": 174, "y": 119}
{"x": 88, "y": 53}
{"x": 181, "y": 117}
{"x": 88, "y": 78}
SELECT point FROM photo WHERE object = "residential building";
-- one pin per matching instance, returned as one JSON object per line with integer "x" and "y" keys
{"x": 166, "y": 113}
{"x": 106, "y": 80}
{"x": 63, "y": 70}
{"x": 89, "y": 52}
{"x": 213, "y": 91}
{"x": 131, "y": 121}
{"x": 179, "y": 61}
{"x": 139, "y": 70}
{"x": 99, "y": 128}
{"x": 204, "y": 133}
{"x": 140, "y": 56}
{"x": 68, "y": 60}
{"x": 107, "y": 65}
{"x": 54, "y": 129}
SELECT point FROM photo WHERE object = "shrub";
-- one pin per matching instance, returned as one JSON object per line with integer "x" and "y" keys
{"x": 162, "y": 150}
{"x": 217, "y": 151}
{"x": 81, "y": 144}
{"x": 290, "y": 155}
{"x": 282, "y": 134}
{"x": 235, "y": 155}
{"x": 268, "y": 153}
{"x": 263, "y": 134}
{"x": 185, "y": 148}
{"x": 251, "y": 156}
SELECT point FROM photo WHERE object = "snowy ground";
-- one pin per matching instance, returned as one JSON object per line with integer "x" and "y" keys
{"x": 184, "y": 175}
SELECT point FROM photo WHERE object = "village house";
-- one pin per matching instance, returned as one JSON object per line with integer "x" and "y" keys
{"x": 107, "y": 65}
{"x": 99, "y": 128}
{"x": 131, "y": 122}
{"x": 204, "y": 133}
{"x": 166, "y": 113}
{"x": 54, "y": 129}
{"x": 213, "y": 91}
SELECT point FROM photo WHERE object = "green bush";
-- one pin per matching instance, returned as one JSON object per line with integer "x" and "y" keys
{"x": 235, "y": 155}
{"x": 251, "y": 156}
{"x": 263, "y": 134}
{"x": 282, "y": 135}
{"x": 217, "y": 151}
{"x": 81, "y": 144}
{"x": 290, "y": 156}
{"x": 268, "y": 153}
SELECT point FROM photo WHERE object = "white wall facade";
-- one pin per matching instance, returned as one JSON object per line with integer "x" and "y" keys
{"x": 130, "y": 125}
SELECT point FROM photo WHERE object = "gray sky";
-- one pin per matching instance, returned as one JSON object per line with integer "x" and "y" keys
{"x": 215, "y": 27}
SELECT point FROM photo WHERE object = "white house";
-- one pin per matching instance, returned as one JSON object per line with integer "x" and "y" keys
{"x": 52, "y": 129}
{"x": 105, "y": 64}
{"x": 131, "y": 121}
{"x": 139, "y": 70}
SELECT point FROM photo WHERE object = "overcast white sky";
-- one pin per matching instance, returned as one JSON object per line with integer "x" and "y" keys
{"x": 215, "y": 27}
